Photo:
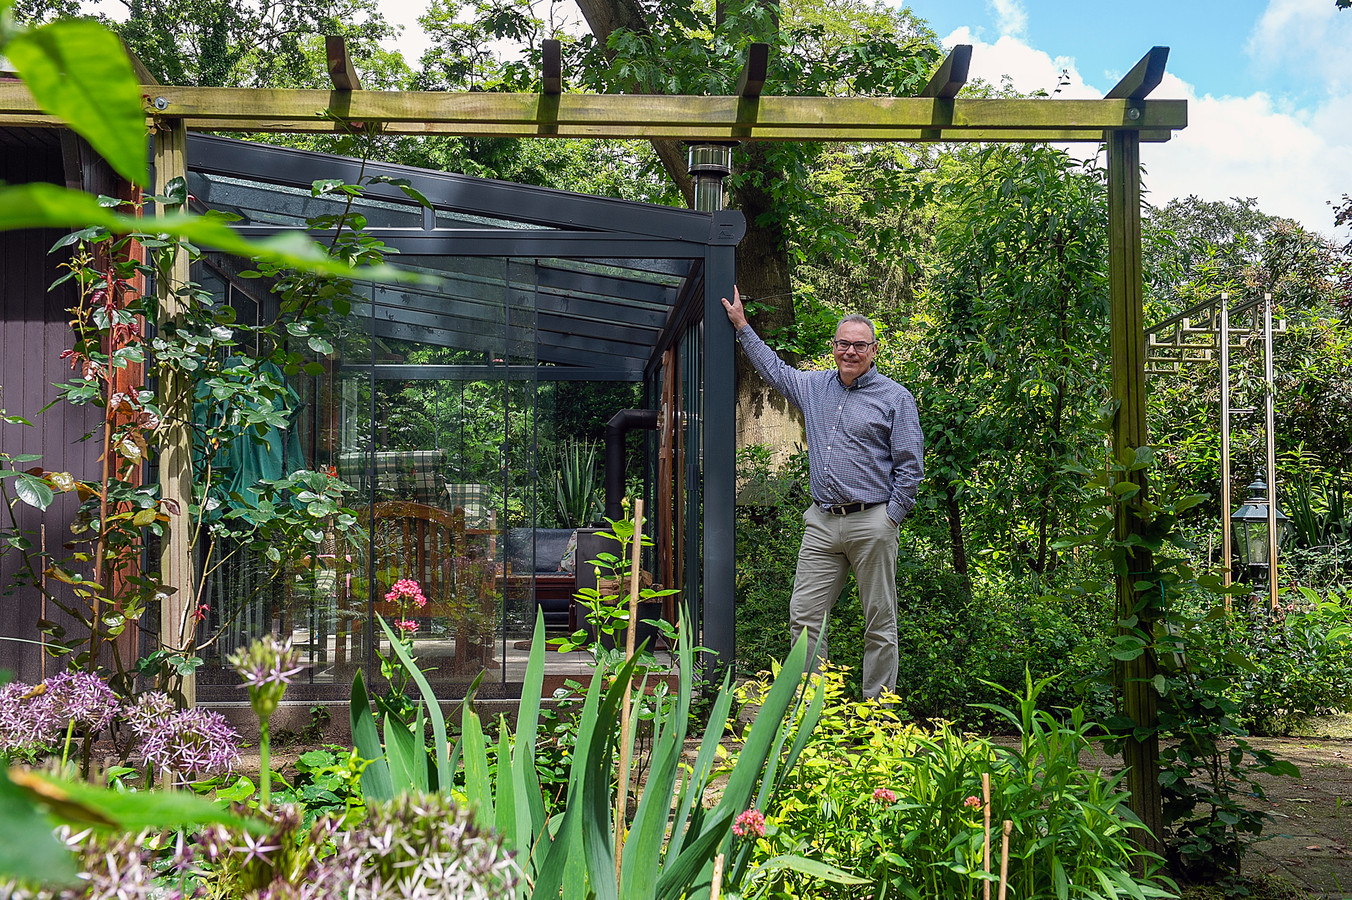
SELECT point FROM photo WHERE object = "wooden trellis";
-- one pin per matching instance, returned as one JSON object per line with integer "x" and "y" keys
{"x": 1197, "y": 335}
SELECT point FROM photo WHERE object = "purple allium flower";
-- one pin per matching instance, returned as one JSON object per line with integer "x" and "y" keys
{"x": 750, "y": 822}
{"x": 84, "y": 698}
{"x": 112, "y": 867}
{"x": 259, "y": 849}
{"x": 151, "y": 711}
{"x": 193, "y": 741}
{"x": 27, "y": 718}
{"x": 267, "y": 667}
{"x": 423, "y": 847}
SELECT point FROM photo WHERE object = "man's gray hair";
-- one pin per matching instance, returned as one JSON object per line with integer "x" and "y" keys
{"x": 862, "y": 319}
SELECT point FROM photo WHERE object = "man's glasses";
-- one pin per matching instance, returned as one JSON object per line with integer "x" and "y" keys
{"x": 859, "y": 346}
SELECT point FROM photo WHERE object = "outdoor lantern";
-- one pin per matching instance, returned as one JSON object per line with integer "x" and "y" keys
{"x": 1249, "y": 525}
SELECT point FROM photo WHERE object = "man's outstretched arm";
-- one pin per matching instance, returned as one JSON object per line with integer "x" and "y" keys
{"x": 783, "y": 377}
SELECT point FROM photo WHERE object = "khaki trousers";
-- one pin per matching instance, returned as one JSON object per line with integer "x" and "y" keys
{"x": 832, "y": 545}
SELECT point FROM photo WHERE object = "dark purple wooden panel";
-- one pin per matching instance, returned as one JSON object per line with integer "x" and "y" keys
{"x": 33, "y": 332}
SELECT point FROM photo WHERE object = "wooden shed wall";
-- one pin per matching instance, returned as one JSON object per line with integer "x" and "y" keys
{"x": 33, "y": 332}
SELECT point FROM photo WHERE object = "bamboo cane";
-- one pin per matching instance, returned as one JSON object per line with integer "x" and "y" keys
{"x": 1004, "y": 858}
{"x": 716, "y": 888}
{"x": 622, "y": 797}
{"x": 986, "y": 841}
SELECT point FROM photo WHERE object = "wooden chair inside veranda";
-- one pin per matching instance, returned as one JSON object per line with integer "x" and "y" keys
{"x": 453, "y": 566}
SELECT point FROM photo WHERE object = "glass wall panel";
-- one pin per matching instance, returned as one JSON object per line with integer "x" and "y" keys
{"x": 430, "y": 409}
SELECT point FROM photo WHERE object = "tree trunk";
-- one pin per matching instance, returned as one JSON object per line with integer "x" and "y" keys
{"x": 763, "y": 269}
{"x": 955, "y": 530}
{"x": 764, "y": 274}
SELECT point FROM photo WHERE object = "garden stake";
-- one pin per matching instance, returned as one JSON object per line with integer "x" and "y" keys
{"x": 716, "y": 888}
{"x": 1004, "y": 858}
{"x": 622, "y": 800}
{"x": 986, "y": 841}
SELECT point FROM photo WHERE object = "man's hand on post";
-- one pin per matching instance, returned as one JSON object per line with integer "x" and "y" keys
{"x": 736, "y": 313}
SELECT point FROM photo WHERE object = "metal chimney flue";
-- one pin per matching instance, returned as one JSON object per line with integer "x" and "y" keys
{"x": 709, "y": 164}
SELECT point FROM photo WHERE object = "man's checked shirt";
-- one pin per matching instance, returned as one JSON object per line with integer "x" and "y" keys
{"x": 864, "y": 441}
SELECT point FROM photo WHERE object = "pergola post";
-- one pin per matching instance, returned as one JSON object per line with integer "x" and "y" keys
{"x": 1129, "y": 432}
{"x": 177, "y": 630}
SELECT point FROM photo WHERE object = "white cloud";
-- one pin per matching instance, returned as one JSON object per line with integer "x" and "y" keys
{"x": 1010, "y": 16}
{"x": 1247, "y": 147}
{"x": 1293, "y": 161}
{"x": 1030, "y": 69}
{"x": 1309, "y": 38}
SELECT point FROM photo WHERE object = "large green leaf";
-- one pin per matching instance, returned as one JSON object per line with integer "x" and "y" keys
{"x": 598, "y": 828}
{"x": 404, "y": 751}
{"x": 689, "y": 803}
{"x": 375, "y": 778}
{"x": 530, "y": 807}
{"x": 766, "y": 732}
{"x": 813, "y": 868}
{"x": 78, "y": 803}
{"x": 30, "y": 852}
{"x": 563, "y": 871}
{"x": 77, "y": 70}
{"x": 643, "y": 846}
{"x": 49, "y": 206}
{"x": 478, "y": 787}
{"x": 445, "y": 776}
{"x": 692, "y": 866}
{"x": 504, "y": 790}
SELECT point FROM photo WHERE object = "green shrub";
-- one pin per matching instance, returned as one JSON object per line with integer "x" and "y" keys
{"x": 1289, "y": 663}
{"x": 903, "y": 806}
{"x": 952, "y": 635}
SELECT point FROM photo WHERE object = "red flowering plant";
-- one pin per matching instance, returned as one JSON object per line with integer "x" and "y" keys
{"x": 220, "y": 384}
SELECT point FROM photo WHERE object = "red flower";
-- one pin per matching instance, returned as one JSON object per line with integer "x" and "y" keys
{"x": 750, "y": 822}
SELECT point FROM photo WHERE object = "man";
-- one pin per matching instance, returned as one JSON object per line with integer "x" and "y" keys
{"x": 865, "y": 457}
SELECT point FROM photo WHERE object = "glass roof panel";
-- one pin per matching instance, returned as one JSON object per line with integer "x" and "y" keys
{"x": 260, "y": 203}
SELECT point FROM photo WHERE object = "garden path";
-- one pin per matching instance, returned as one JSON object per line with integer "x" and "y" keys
{"x": 1309, "y": 841}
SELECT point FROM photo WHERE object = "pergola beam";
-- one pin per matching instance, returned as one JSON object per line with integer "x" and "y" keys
{"x": 551, "y": 67}
{"x": 694, "y": 132}
{"x": 752, "y": 80}
{"x": 647, "y": 116}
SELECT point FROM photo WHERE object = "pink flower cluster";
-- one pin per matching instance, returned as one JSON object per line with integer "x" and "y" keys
{"x": 406, "y": 590}
{"x": 883, "y": 795}
{"x": 407, "y": 626}
{"x": 751, "y": 822}
{"x": 972, "y": 803}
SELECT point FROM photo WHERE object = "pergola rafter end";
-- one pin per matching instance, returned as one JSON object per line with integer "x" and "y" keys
{"x": 1143, "y": 78}
{"x": 341, "y": 71}
{"x": 951, "y": 75}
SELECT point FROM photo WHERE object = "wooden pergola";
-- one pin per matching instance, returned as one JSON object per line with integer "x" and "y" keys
{"x": 1121, "y": 120}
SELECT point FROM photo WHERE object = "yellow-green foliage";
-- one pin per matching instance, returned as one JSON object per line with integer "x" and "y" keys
{"x": 902, "y": 806}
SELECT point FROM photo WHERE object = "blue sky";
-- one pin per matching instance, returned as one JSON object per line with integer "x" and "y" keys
{"x": 1269, "y": 83}
{"x": 1206, "y": 39}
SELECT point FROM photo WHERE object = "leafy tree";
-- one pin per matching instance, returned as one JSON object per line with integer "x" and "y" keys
{"x": 239, "y": 43}
{"x": 1195, "y": 250}
{"x": 837, "y": 48}
{"x": 1011, "y": 360}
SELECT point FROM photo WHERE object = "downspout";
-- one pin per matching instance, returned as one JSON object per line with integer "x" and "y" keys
{"x": 620, "y": 425}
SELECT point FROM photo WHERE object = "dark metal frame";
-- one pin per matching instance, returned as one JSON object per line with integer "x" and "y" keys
{"x": 608, "y": 319}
